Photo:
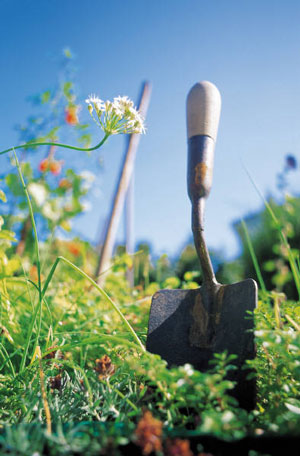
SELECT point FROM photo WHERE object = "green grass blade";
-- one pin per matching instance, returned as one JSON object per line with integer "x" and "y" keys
{"x": 291, "y": 258}
{"x": 36, "y": 240}
{"x": 7, "y": 359}
{"x": 253, "y": 257}
{"x": 101, "y": 291}
{"x": 119, "y": 393}
{"x": 38, "y": 310}
{"x": 107, "y": 298}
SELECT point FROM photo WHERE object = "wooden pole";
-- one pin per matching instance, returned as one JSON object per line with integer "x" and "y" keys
{"x": 129, "y": 228}
{"x": 121, "y": 190}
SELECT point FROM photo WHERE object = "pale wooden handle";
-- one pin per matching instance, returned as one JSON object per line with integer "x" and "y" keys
{"x": 203, "y": 109}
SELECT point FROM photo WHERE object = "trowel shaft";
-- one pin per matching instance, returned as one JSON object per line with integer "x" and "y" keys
{"x": 199, "y": 181}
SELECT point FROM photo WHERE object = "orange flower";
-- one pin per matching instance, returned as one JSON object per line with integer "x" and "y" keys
{"x": 71, "y": 117}
{"x": 68, "y": 208}
{"x": 44, "y": 165}
{"x": 149, "y": 433}
{"x": 33, "y": 273}
{"x": 178, "y": 447}
{"x": 65, "y": 183}
{"x": 55, "y": 167}
{"x": 104, "y": 367}
{"x": 74, "y": 248}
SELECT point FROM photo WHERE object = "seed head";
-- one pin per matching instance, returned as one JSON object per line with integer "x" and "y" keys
{"x": 104, "y": 367}
{"x": 178, "y": 447}
{"x": 149, "y": 433}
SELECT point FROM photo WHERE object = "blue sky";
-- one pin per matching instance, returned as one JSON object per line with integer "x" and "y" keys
{"x": 250, "y": 50}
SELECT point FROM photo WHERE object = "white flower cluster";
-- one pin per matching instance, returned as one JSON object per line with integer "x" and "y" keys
{"x": 116, "y": 117}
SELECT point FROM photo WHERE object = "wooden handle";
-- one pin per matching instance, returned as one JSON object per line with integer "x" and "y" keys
{"x": 203, "y": 108}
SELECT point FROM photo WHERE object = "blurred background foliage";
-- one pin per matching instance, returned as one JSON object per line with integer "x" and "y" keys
{"x": 59, "y": 195}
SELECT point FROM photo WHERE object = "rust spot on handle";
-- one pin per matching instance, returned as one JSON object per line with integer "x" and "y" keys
{"x": 203, "y": 174}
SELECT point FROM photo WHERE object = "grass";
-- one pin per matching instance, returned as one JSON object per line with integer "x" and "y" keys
{"x": 293, "y": 261}
{"x": 42, "y": 290}
{"x": 75, "y": 376}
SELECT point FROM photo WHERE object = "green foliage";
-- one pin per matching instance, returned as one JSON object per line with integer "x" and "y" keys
{"x": 277, "y": 365}
{"x": 275, "y": 243}
{"x": 57, "y": 194}
{"x": 188, "y": 261}
{"x": 72, "y": 358}
{"x": 79, "y": 327}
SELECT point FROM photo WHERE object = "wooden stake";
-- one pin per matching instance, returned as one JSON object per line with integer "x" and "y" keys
{"x": 129, "y": 228}
{"x": 121, "y": 190}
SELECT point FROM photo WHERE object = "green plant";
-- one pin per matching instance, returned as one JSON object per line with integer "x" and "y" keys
{"x": 74, "y": 374}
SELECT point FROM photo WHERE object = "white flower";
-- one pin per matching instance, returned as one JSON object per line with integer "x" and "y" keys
{"x": 87, "y": 175}
{"x": 116, "y": 110}
{"x": 124, "y": 102}
{"x": 116, "y": 117}
{"x": 95, "y": 102}
{"x": 88, "y": 179}
{"x": 93, "y": 99}
{"x": 227, "y": 416}
{"x": 188, "y": 369}
{"x": 293, "y": 347}
{"x": 86, "y": 206}
{"x": 50, "y": 213}
{"x": 291, "y": 332}
{"x": 38, "y": 192}
{"x": 293, "y": 408}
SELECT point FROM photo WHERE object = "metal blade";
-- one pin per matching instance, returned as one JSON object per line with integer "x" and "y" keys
{"x": 181, "y": 330}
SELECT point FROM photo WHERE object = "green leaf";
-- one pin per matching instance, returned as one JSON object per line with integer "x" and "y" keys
{"x": 52, "y": 134}
{"x": 85, "y": 139}
{"x": 14, "y": 185}
{"x": 190, "y": 275}
{"x": 171, "y": 282}
{"x": 269, "y": 266}
{"x": 12, "y": 266}
{"x": 65, "y": 225}
{"x": 67, "y": 53}
{"x": 8, "y": 235}
{"x": 2, "y": 196}
{"x": 81, "y": 126}
{"x": 45, "y": 96}
{"x": 67, "y": 89}
{"x": 27, "y": 170}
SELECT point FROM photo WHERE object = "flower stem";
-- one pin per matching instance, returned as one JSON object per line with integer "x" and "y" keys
{"x": 66, "y": 146}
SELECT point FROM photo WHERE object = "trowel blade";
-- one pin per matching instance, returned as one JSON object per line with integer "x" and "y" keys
{"x": 180, "y": 331}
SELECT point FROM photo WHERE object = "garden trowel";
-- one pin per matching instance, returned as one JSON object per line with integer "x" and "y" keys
{"x": 189, "y": 326}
